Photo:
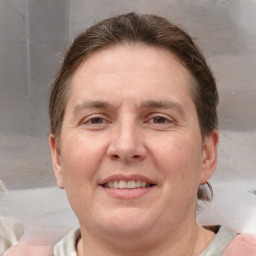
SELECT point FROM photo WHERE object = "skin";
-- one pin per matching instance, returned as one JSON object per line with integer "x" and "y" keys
{"x": 147, "y": 126}
{"x": 29, "y": 247}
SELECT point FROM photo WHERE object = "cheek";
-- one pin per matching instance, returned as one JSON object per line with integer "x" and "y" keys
{"x": 81, "y": 158}
{"x": 179, "y": 160}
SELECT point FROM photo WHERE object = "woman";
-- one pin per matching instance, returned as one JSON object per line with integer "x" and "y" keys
{"x": 134, "y": 140}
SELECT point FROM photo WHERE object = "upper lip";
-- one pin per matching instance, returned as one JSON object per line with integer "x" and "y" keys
{"x": 127, "y": 178}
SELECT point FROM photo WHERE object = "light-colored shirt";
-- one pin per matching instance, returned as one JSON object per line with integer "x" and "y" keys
{"x": 225, "y": 243}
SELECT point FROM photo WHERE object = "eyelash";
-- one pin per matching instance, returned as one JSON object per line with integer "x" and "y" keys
{"x": 90, "y": 120}
{"x": 96, "y": 118}
{"x": 162, "y": 119}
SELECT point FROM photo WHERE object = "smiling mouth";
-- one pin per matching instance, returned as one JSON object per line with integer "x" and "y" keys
{"x": 131, "y": 184}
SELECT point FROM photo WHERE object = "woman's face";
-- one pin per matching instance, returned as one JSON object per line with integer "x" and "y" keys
{"x": 130, "y": 121}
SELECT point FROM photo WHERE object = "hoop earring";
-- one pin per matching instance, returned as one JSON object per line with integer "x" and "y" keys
{"x": 210, "y": 189}
{"x": 209, "y": 185}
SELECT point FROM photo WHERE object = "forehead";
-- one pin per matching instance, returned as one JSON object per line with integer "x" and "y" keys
{"x": 127, "y": 56}
{"x": 130, "y": 68}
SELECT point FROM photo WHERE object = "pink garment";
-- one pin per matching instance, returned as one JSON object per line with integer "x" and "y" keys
{"x": 242, "y": 245}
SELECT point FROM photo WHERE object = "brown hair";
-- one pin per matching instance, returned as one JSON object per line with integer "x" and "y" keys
{"x": 150, "y": 30}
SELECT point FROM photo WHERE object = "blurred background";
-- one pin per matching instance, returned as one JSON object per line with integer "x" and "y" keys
{"x": 34, "y": 34}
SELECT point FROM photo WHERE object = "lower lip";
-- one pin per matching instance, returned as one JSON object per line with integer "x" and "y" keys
{"x": 127, "y": 193}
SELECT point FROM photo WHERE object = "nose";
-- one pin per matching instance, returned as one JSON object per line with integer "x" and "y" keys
{"x": 127, "y": 143}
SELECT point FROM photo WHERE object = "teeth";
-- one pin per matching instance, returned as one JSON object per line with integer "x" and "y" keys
{"x": 143, "y": 184}
{"x": 138, "y": 184}
{"x": 115, "y": 184}
{"x": 121, "y": 184}
{"x": 131, "y": 184}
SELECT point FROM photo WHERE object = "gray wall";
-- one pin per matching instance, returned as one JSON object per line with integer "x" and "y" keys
{"x": 34, "y": 33}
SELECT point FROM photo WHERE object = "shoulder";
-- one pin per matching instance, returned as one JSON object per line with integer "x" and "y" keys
{"x": 229, "y": 243}
{"x": 242, "y": 245}
{"x": 67, "y": 245}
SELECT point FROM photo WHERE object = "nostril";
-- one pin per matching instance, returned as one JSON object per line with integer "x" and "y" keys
{"x": 115, "y": 157}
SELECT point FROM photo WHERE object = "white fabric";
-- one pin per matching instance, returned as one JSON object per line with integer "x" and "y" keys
{"x": 67, "y": 246}
{"x": 47, "y": 207}
{"x": 11, "y": 231}
{"x": 233, "y": 206}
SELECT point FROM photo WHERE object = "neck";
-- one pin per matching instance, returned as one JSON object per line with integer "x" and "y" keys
{"x": 191, "y": 241}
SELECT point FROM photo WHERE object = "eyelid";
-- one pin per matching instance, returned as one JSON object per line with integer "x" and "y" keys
{"x": 88, "y": 118}
{"x": 167, "y": 117}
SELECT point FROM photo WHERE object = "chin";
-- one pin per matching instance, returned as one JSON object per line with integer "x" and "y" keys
{"x": 128, "y": 222}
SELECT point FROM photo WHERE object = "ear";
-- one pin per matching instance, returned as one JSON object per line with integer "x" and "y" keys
{"x": 209, "y": 160}
{"x": 56, "y": 162}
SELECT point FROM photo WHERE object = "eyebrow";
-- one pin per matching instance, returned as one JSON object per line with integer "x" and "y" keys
{"x": 92, "y": 104}
{"x": 151, "y": 103}
{"x": 163, "y": 104}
